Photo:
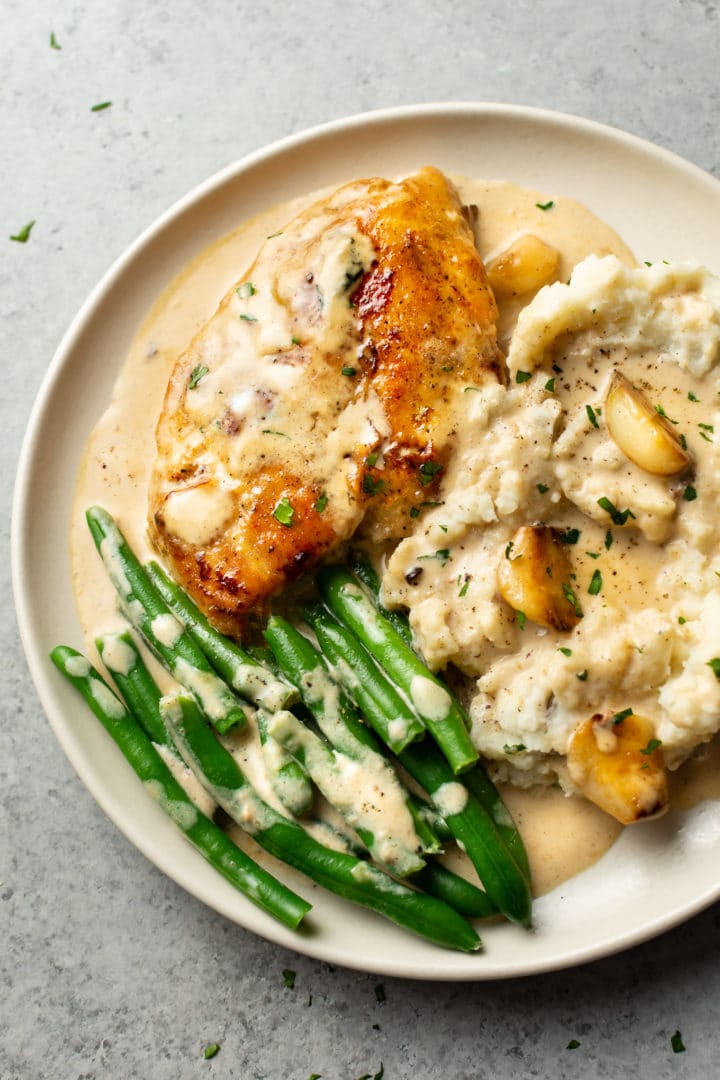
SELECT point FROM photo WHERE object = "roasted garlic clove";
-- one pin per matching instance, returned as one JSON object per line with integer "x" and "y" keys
{"x": 644, "y": 436}
{"x": 523, "y": 267}
{"x": 533, "y": 576}
{"x": 617, "y": 763}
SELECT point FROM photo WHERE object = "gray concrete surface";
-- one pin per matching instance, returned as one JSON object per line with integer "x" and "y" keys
{"x": 108, "y": 969}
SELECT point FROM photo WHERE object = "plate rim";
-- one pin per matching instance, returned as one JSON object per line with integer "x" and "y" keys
{"x": 40, "y": 668}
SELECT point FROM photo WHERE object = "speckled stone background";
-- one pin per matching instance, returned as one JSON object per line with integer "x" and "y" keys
{"x": 108, "y": 969}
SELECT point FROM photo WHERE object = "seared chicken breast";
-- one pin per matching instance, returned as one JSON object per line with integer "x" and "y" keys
{"x": 322, "y": 396}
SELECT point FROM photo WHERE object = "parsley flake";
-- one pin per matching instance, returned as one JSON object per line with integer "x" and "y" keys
{"x": 620, "y": 716}
{"x": 517, "y": 748}
{"x": 659, "y": 409}
{"x": 715, "y": 665}
{"x": 521, "y": 619}
{"x": 678, "y": 1046}
{"x": 508, "y": 549}
{"x": 572, "y": 1045}
{"x": 371, "y": 486}
{"x": 689, "y": 494}
{"x": 443, "y": 556}
{"x": 691, "y": 396}
{"x": 591, "y": 416}
{"x": 565, "y": 651}
{"x": 289, "y": 978}
{"x": 211, "y": 1050}
{"x": 464, "y": 583}
{"x": 321, "y": 503}
{"x": 523, "y": 376}
{"x": 682, "y": 620}
{"x": 246, "y": 289}
{"x": 54, "y": 43}
{"x": 608, "y": 540}
{"x": 619, "y": 517}
{"x": 428, "y": 471}
{"x": 550, "y": 386}
{"x": 596, "y": 583}
{"x": 414, "y": 511}
{"x": 197, "y": 374}
{"x": 570, "y": 536}
{"x": 247, "y": 318}
{"x": 542, "y": 488}
{"x": 572, "y": 599}
{"x": 349, "y": 371}
{"x": 23, "y": 235}
{"x": 545, "y": 205}
{"x": 284, "y": 512}
{"x": 101, "y": 106}
{"x": 652, "y": 746}
{"x": 294, "y": 340}
{"x": 582, "y": 675}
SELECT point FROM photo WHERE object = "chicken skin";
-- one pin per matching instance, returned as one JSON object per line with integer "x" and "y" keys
{"x": 321, "y": 398}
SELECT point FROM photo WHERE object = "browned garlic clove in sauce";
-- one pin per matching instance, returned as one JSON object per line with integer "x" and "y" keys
{"x": 533, "y": 576}
{"x": 645, "y": 436}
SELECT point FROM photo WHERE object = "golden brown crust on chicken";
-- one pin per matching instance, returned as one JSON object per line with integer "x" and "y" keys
{"x": 324, "y": 391}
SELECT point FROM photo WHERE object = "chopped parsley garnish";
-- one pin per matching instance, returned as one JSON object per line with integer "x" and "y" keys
{"x": 321, "y": 503}
{"x": 517, "y": 748}
{"x": 294, "y": 340}
{"x": 374, "y": 1076}
{"x": 582, "y": 675}
{"x": 620, "y": 716}
{"x": 572, "y": 599}
{"x": 550, "y": 386}
{"x": 197, "y": 374}
{"x": 678, "y": 1046}
{"x": 246, "y": 289}
{"x": 522, "y": 376}
{"x": 715, "y": 665}
{"x": 682, "y": 620}
{"x": 689, "y": 494}
{"x": 608, "y": 540}
{"x": 272, "y": 235}
{"x": 428, "y": 471}
{"x": 705, "y": 436}
{"x": 247, "y": 318}
{"x": 565, "y": 651}
{"x": 683, "y": 441}
{"x": 54, "y": 43}
{"x": 272, "y": 431}
{"x": 315, "y": 1076}
{"x": 349, "y": 371}
{"x": 596, "y": 583}
{"x": 380, "y": 993}
{"x": 570, "y": 536}
{"x": 648, "y": 263}
{"x": 101, "y": 105}
{"x": 442, "y": 528}
{"x": 464, "y": 583}
{"x": 591, "y": 415}
{"x": 442, "y": 555}
{"x": 542, "y": 488}
{"x": 545, "y": 205}
{"x": 23, "y": 235}
{"x": 508, "y": 549}
{"x": 284, "y": 513}
{"x": 706, "y": 427}
{"x": 289, "y": 978}
{"x": 659, "y": 409}
{"x": 371, "y": 486}
{"x": 572, "y": 1045}
{"x": 521, "y": 619}
{"x": 619, "y": 517}
{"x": 211, "y": 1050}
{"x": 414, "y": 511}
{"x": 652, "y": 746}
{"x": 371, "y": 459}
{"x": 593, "y": 554}
{"x": 691, "y": 396}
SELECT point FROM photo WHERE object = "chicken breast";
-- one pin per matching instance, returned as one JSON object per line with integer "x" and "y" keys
{"x": 322, "y": 397}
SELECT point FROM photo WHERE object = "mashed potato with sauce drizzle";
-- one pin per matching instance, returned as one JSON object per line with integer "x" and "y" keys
{"x": 644, "y": 549}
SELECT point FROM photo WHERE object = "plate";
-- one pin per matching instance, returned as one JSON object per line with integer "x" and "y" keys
{"x": 656, "y": 875}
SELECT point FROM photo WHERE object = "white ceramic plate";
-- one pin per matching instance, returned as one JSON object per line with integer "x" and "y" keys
{"x": 662, "y": 206}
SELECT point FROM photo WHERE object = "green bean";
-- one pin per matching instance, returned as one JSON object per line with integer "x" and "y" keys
{"x": 234, "y": 664}
{"x": 430, "y": 700}
{"x": 212, "y": 843}
{"x": 337, "y": 871}
{"x": 150, "y": 615}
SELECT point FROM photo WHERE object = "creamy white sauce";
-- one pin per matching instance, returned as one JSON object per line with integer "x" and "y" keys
{"x": 431, "y": 700}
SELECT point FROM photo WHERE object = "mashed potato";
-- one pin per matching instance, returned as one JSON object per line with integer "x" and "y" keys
{"x": 642, "y": 549}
